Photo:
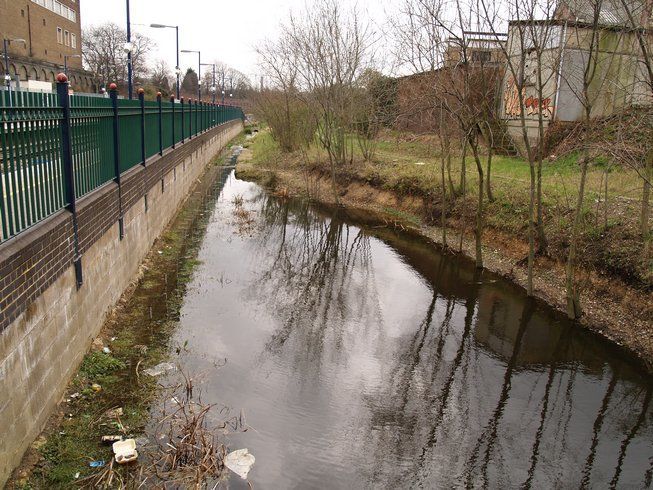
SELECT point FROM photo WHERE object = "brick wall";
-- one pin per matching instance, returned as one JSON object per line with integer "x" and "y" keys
{"x": 46, "y": 322}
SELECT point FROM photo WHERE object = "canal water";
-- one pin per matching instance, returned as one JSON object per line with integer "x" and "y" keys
{"x": 362, "y": 357}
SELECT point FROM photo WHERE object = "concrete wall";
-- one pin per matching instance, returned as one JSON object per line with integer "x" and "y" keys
{"x": 43, "y": 343}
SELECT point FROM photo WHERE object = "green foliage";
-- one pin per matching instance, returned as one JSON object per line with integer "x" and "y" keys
{"x": 98, "y": 364}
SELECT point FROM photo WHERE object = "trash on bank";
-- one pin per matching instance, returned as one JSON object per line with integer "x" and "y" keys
{"x": 114, "y": 413}
{"x": 125, "y": 451}
{"x": 106, "y": 350}
{"x": 240, "y": 462}
{"x": 160, "y": 369}
{"x": 111, "y": 439}
{"x": 96, "y": 464}
{"x": 96, "y": 387}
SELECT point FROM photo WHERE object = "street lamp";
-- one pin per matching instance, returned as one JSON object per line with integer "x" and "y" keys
{"x": 177, "y": 69}
{"x": 65, "y": 61}
{"x": 128, "y": 49}
{"x": 6, "y": 42}
{"x": 199, "y": 69}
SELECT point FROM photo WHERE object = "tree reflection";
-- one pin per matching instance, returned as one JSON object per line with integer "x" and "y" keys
{"x": 479, "y": 386}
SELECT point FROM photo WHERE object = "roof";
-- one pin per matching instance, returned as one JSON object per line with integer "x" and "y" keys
{"x": 612, "y": 13}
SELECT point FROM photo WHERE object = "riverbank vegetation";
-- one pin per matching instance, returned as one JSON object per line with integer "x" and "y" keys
{"x": 113, "y": 394}
{"x": 578, "y": 199}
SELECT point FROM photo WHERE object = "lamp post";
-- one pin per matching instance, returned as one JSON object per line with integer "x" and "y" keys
{"x": 128, "y": 49}
{"x": 213, "y": 88}
{"x": 199, "y": 69}
{"x": 65, "y": 61}
{"x": 177, "y": 69}
{"x": 6, "y": 42}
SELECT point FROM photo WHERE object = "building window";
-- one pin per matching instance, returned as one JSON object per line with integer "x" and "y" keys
{"x": 73, "y": 40}
{"x": 43, "y": 21}
{"x": 22, "y": 13}
{"x": 59, "y": 35}
{"x": 58, "y": 8}
{"x": 66, "y": 38}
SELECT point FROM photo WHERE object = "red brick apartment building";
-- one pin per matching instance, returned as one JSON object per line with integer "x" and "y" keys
{"x": 51, "y": 30}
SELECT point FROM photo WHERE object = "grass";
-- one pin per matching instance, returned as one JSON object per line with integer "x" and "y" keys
{"x": 409, "y": 165}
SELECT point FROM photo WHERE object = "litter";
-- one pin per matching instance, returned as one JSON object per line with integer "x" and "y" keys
{"x": 111, "y": 439}
{"x": 420, "y": 163}
{"x": 76, "y": 475}
{"x": 160, "y": 369}
{"x": 106, "y": 350}
{"x": 125, "y": 451}
{"x": 240, "y": 462}
{"x": 96, "y": 464}
{"x": 96, "y": 387}
{"x": 114, "y": 413}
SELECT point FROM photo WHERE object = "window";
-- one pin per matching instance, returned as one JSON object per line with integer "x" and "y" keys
{"x": 66, "y": 38}
{"x": 22, "y": 13}
{"x": 58, "y": 8}
{"x": 59, "y": 35}
{"x": 43, "y": 21}
{"x": 73, "y": 40}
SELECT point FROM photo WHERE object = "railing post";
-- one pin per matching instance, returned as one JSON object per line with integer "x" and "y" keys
{"x": 68, "y": 170}
{"x": 182, "y": 120}
{"x": 113, "y": 90}
{"x": 197, "y": 118}
{"x": 158, "y": 100}
{"x": 190, "y": 118}
{"x": 141, "y": 100}
{"x": 174, "y": 141}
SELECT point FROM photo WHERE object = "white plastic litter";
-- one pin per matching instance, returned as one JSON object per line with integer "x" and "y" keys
{"x": 160, "y": 369}
{"x": 125, "y": 451}
{"x": 240, "y": 462}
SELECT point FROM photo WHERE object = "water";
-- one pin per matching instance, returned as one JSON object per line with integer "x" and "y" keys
{"x": 363, "y": 358}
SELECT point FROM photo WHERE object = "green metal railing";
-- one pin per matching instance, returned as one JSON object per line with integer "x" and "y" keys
{"x": 34, "y": 127}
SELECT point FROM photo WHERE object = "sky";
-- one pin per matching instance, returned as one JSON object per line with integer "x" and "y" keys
{"x": 226, "y": 31}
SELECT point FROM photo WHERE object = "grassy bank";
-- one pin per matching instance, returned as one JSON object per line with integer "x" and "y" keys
{"x": 137, "y": 334}
{"x": 403, "y": 181}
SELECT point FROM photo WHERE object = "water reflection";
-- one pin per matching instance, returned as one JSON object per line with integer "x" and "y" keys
{"x": 363, "y": 357}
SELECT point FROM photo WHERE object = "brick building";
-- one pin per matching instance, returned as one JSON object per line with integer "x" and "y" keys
{"x": 51, "y": 30}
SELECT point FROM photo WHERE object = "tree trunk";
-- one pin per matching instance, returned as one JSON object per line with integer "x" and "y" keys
{"x": 478, "y": 231}
{"x": 646, "y": 195}
{"x": 463, "y": 170}
{"x": 542, "y": 242}
{"x": 573, "y": 300}
{"x": 443, "y": 213}
{"x": 488, "y": 185}
{"x": 531, "y": 230}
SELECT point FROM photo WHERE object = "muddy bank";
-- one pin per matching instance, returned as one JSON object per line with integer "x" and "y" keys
{"x": 110, "y": 395}
{"x": 612, "y": 309}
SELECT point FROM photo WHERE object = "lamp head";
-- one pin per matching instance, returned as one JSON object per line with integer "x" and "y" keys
{"x": 127, "y": 48}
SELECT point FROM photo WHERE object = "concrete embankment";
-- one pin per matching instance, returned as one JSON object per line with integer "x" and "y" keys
{"x": 51, "y": 322}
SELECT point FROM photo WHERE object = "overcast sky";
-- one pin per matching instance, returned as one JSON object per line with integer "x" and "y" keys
{"x": 226, "y": 31}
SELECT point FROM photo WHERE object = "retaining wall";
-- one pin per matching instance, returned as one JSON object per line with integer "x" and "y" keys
{"x": 46, "y": 322}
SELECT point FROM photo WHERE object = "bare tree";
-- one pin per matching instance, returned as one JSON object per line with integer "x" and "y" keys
{"x": 104, "y": 55}
{"x": 330, "y": 49}
{"x": 161, "y": 76}
{"x": 531, "y": 59}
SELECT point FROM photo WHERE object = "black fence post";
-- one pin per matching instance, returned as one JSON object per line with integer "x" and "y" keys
{"x": 141, "y": 100}
{"x": 174, "y": 140}
{"x": 68, "y": 169}
{"x": 190, "y": 118}
{"x": 197, "y": 118}
{"x": 158, "y": 99}
{"x": 113, "y": 89}
{"x": 182, "y": 119}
